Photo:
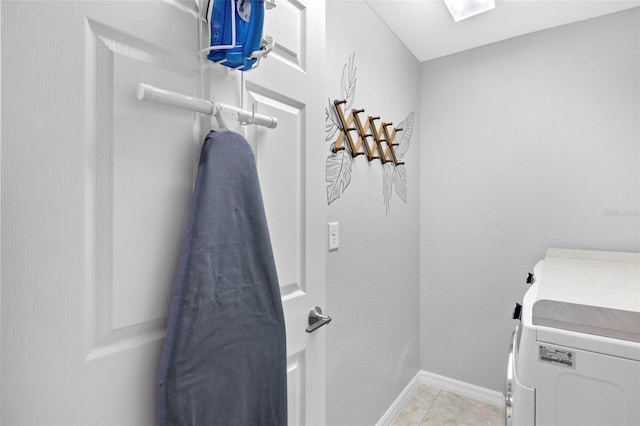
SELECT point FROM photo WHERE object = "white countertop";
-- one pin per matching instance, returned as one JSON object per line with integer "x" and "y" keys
{"x": 591, "y": 292}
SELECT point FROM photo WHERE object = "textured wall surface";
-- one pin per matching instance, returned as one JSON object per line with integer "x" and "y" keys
{"x": 373, "y": 279}
{"x": 529, "y": 143}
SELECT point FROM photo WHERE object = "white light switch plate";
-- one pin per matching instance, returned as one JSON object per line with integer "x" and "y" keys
{"x": 334, "y": 236}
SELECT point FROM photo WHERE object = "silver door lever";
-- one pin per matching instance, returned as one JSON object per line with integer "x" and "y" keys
{"x": 317, "y": 320}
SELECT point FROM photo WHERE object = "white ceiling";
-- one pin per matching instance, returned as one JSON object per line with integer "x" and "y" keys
{"x": 428, "y": 30}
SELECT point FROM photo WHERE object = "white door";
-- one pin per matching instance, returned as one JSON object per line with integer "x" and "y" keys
{"x": 95, "y": 188}
{"x": 289, "y": 84}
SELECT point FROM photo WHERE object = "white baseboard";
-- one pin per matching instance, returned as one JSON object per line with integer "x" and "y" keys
{"x": 452, "y": 385}
{"x": 462, "y": 388}
{"x": 400, "y": 401}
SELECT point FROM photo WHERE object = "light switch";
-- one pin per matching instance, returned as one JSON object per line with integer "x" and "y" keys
{"x": 334, "y": 236}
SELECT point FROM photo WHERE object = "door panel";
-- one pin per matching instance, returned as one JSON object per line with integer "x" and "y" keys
{"x": 279, "y": 159}
{"x": 288, "y": 25}
{"x": 289, "y": 85}
{"x": 96, "y": 186}
{"x": 296, "y": 378}
{"x": 138, "y": 174}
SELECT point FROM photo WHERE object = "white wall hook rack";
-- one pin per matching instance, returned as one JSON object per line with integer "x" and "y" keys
{"x": 149, "y": 93}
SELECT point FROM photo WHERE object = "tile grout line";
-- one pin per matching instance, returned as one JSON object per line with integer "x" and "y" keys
{"x": 439, "y": 394}
{"x": 430, "y": 405}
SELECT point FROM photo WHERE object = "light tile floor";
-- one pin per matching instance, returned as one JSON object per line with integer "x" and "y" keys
{"x": 431, "y": 406}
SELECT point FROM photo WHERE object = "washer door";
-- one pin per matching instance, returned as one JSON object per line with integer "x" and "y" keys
{"x": 508, "y": 388}
{"x": 519, "y": 400}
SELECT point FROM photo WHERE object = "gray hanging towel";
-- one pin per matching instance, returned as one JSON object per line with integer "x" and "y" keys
{"x": 224, "y": 356}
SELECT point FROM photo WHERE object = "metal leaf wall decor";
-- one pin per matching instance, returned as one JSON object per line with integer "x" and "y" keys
{"x": 357, "y": 136}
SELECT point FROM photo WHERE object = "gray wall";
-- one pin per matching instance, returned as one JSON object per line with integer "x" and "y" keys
{"x": 527, "y": 144}
{"x": 373, "y": 279}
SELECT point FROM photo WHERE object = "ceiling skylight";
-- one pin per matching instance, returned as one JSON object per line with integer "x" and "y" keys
{"x": 463, "y": 9}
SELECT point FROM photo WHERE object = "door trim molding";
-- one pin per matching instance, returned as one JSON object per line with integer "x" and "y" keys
{"x": 445, "y": 383}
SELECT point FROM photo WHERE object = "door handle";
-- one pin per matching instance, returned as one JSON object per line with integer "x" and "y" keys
{"x": 317, "y": 320}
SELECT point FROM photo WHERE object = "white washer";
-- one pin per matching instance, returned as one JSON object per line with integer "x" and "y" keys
{"x": 575, "y": 353}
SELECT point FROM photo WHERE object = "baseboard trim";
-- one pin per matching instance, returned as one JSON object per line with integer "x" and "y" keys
{"x": 462, "y": 388}
{"x": 446, "y": 383}
{"x": 400, "y": 401}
